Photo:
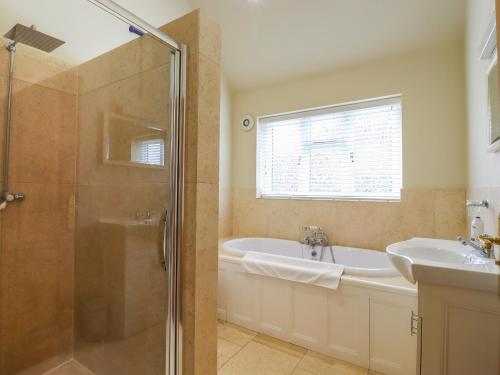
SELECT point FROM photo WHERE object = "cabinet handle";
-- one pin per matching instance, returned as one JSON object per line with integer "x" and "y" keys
{"x": 414, "y": 323}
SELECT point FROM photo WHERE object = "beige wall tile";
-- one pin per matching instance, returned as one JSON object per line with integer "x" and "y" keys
{"x": 208, "y": 121}
{"x": 37, "y": 244}
{"x": 36, "y": 67}
{"x": 373, "y": 225}
{"x": 210, "y": 38}
{"x": 356, "y": 224}
{"x": 128, "y": 60}
{"x": 250, "y": 215}
{"x": 284, "y": 217}
{"x": 43, "y": 143}
{"x": 449, "y": 214}
{"x": 321, "y": 213}
{"x": 207, "y": 214}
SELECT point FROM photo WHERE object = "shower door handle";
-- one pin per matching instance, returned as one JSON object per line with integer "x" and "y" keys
{"x": 162, "y": 248}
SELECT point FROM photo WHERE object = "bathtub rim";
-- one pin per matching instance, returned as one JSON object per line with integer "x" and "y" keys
{"x": 387, "y": 284}
{"x": 356, "y": 271}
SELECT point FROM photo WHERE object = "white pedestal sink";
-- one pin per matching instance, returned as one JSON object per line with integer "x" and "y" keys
{"x": 444, "y": 262}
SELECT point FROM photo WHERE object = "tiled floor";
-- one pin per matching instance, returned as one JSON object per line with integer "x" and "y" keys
{"x": 244, "y": 352}
{"x": 70, "y": 368}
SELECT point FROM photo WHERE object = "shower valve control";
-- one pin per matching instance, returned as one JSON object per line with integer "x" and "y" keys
{"x": 12, "y": 197}
{"x": 15, "y": 197}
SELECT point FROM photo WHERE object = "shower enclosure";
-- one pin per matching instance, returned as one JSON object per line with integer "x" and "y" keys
{"x": 93, "y": 141}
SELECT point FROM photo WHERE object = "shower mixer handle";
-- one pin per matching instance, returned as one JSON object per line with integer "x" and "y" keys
{"x": 18, "y": 196}
{"x": 12, "y": 197}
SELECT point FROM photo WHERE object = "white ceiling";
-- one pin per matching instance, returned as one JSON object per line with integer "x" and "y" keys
{"x": 266, "y": 41}
{"x": 87, "y": 30}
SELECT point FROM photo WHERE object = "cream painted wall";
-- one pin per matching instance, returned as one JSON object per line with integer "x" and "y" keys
{"x": 432, "y": 85}
{"x": 225, "y": 192}
{"x": 484, "y": 167}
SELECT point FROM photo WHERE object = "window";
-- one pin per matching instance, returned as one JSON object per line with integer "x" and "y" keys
{"x": 350, "y": 151}
{"x": 148, "y": 151}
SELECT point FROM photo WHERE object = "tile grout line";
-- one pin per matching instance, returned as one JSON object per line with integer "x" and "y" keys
{"x": 231, "y": 357}
{"x": 298, "y": 363}
{"x": 239, "y": 350}
{"x": 58, "y": 366}
{"x": 295, "y": 368}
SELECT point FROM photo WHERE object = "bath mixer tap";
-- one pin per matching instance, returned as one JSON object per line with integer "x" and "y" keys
{"x": 318, "y": 237}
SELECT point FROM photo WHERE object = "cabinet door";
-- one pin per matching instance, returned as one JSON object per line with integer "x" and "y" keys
{"x": 393, "y": 350}
{"x": 309, "y": 316}
{"x": 348, "y": 325}
{"x": 276, "y": 302}
{"x": 222, "y": 292}
{"x": 244, "y": 300}
{"x": 460, "y": 331}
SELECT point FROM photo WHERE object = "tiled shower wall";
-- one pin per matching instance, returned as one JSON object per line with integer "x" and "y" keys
{"x": 37, "y": 235}
{"x": 435, "y": 213}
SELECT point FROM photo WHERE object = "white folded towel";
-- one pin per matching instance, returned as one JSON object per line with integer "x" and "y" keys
{"x": 305, "y": 271}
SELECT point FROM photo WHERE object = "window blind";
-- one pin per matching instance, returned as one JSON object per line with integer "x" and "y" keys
{"x": 151, "y": 151}
{"x": 350, "y": 151}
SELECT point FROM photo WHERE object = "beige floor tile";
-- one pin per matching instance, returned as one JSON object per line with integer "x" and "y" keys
{"x": 299, "y": 371}
{"x": 258, "y": 359}
{"x": 319, "y": 364}
{"x": 283, "y": 346}
{"x": 70, "y": 368}
{"x": 225, "y": 350}
{"x": 235, "y": 334}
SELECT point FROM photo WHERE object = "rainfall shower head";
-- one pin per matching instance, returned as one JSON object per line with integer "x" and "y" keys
{"x": 33, "y": 38}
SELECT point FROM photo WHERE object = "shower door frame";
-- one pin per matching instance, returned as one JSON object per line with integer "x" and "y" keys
{"x": 172, "y": 241}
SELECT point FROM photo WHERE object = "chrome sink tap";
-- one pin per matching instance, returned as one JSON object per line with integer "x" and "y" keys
{"x": 483, "y": 246}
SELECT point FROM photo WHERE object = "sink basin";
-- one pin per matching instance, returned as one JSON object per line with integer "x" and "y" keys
{"x": 431, "y": 254}
{"x": 444, "y": 262}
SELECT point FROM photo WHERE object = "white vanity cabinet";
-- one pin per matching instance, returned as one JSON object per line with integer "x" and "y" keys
{"x": 460, "y": 331}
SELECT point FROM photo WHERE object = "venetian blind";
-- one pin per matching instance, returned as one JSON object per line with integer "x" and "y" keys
{"x": 350, "y": 151}
{"x": 152, "y": 152}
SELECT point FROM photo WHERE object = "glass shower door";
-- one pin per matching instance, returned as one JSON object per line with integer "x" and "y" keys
{"x": 124, "y": 183}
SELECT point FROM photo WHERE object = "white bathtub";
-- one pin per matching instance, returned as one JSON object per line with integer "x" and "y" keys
{"x": 359, "y": 262}
{"x": 366, "y": 321}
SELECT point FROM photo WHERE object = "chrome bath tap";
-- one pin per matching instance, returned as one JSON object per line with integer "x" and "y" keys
{"x": 317, "y": 237}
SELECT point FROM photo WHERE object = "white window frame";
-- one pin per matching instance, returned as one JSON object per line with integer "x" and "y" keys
{"x": 341, "y": 107}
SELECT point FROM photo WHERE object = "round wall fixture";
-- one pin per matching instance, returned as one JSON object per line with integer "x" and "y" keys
{"x": 247, "y": 123}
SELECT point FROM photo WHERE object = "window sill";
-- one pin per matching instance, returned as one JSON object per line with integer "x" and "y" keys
{"x": 327, "y": 198}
